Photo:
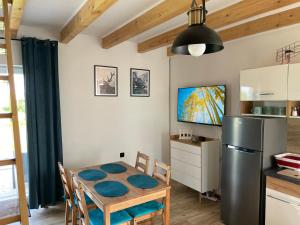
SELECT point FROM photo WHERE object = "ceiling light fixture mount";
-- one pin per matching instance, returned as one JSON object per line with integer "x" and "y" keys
{"x": 197, "y": 39}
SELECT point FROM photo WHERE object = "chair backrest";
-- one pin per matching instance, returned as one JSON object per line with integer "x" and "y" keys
{"x": 142, "y": 162}
{"x": 162, "y": 172}
{"x": 66, "y": 183}
{"x": 81, "y": 203}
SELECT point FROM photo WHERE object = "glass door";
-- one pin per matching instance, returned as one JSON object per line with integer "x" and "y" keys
{"x": 8, "y": 181}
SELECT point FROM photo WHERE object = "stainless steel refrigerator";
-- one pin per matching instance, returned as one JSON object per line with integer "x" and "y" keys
{"x": 248, "y": 144}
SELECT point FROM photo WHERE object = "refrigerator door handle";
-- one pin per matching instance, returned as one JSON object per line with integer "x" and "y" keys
{"x": 244, "y": 150}
{"x": 231, "y": 146}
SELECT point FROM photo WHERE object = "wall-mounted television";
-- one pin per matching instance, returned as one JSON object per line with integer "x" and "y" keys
{"x": 201, "y": 105}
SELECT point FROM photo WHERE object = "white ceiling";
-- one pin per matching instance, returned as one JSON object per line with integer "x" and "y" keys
{"x": 50, "y": 14}
{"x": 119, "y": 14}
{"x": 54, "y": 14}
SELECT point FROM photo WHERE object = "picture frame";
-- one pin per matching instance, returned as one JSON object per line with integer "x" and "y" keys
{"x": 105, "y": 81}
{"x": 139, "y": 82}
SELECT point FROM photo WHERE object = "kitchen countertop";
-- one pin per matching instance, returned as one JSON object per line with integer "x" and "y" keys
{"x": 273, "y": 173}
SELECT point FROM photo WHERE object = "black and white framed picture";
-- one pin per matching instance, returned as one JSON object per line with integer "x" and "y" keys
{"x": 139, "y": 82}
{"x": 106, "y": 80}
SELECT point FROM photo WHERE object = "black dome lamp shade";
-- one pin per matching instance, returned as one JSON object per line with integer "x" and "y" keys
{"x": 197, "y": 39}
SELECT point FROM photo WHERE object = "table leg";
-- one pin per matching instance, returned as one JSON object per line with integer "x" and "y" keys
{"x": 167, "y": 208}
{"x": 106, "y": 216}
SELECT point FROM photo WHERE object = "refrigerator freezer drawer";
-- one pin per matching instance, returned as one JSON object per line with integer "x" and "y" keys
{"x": 243, "y": 132}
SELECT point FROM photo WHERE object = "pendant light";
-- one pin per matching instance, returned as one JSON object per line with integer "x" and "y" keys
{"x": 197, "y": 39}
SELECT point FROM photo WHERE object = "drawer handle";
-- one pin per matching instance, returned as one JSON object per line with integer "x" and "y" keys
{"x": 266, "y": 93}
{"x": 279, "y": 199}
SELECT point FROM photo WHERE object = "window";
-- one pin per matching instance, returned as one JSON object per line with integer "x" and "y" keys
{"x": 8, "y": 182}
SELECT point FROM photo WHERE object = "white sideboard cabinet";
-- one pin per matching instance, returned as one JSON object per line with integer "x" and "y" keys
{"x": 195, "y": 165}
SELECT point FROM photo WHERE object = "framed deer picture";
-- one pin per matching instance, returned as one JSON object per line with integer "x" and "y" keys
{"x": 106, "y": 80}
{"x": 139, "y": 82}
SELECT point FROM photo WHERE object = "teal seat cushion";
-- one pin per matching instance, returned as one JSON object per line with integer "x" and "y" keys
{"x": 87, "y": 200}
{"x": 116, "y": 218}
{"x": 145, "y": 208}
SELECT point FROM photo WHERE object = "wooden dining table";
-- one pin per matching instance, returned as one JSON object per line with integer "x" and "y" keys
{"x": 135, "y": 196}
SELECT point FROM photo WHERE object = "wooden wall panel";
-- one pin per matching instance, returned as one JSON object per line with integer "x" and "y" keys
{"x": 293, "y": 135}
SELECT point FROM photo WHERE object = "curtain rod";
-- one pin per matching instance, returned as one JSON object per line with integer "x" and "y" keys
{"x": 13, "y": 39}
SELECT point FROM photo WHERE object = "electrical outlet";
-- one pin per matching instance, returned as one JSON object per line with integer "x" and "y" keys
{"x": 122, "y": 155}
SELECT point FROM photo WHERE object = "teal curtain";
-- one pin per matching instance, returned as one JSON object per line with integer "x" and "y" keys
{"x": 40, "y": 65}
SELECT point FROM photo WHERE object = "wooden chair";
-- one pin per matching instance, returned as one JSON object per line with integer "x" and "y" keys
{"x": 95, "y": 216}
{"x": 69, "y": 197}
{"x": 142, "y": 162}
{"x": 151, "y": 209}
{"x": 162, "y": 172}
{"x": 82, "y": 206}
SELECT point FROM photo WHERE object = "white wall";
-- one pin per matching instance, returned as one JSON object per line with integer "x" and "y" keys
{"x": 96, "y": 129}
{"x": 223, "y": 68}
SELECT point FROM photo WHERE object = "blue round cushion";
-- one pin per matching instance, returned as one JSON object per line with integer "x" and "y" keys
{"x": 111, "y": 189}
{"x": 113, "y": 168}
{"x": 92, "y": 175}
{"x": 142, "y": 181}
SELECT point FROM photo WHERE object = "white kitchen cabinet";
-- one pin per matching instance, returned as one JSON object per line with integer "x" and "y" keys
{"x": 196, "y": 165}
{"x": 264, "y": 84}
{"x": 281, "y": 209}
{"x": 294, "y": 82}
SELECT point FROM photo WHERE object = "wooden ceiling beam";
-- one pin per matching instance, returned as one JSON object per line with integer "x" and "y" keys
{"x": 17, "y": 10}
{"x": 169, "y": 52}
{"x": 278, "y": 20}
{"x": 90, "y": 11}
{"x": 271, "y": 22}
{"x": 159, "y": 14}
{"x": 232, "y": 14}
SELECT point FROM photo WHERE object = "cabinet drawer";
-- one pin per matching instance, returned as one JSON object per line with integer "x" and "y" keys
{"x": 282, "y": 209}
{"x": 185, "y": 168}
{"x": 186, "y": 180}
{"x": 187, "y": 157}
{"x": 185, "y": 147}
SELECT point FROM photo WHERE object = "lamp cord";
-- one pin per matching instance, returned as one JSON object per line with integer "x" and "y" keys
{"x": 204, "y": 11}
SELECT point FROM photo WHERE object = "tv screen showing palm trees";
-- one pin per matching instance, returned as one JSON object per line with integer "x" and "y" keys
{"x": 203, "y": 105}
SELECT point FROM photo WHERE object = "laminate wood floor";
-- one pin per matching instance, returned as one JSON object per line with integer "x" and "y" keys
{"x": 185, "y": 210}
